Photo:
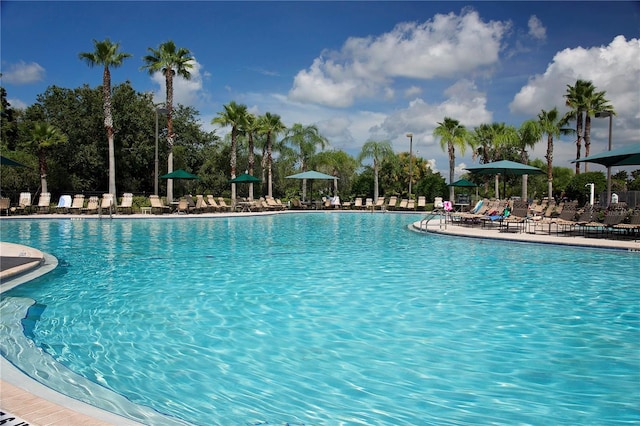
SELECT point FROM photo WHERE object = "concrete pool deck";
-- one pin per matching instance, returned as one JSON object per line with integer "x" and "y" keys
{"x": 37, "y": 404}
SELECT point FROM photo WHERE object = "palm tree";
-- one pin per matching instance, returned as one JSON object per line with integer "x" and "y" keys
{"x": 575, "y": 100}
{"x": 452, "y": 134}
{"x": 304, "y": 139}
{"x": 529, "y": 134}
{"x": 42, "y": 137}
{"x": 270, "y": 125}
{"x": 234, "y": 115}
{"x": 377, "y": 151}
{"x": 107, "y": 54}
{"x": 251, "y": 128}
{"x": 552, "y": 124}
{"x": 169, "y": 60}
{"x": 594, "y": 102}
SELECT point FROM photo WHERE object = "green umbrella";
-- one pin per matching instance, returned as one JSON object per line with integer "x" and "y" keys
{"x": 463, "y": 183}
{"x": 312, "y": 174}
{"x": 9, "y": 162}
{"x": 624, "y": 156}
{"x": 245, "y": 178}
{"x": 179, "y": 174}
{"x": 504, "y": 168}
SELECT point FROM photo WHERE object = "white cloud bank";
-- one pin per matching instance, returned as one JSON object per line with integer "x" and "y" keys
{"x": 445, "y": 46}
{"x": 23, "y": 73}
{"x": 614, "y": 68}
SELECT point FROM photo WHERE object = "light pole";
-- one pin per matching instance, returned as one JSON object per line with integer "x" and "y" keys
{"x": 603, "y": 114}
{"x": 162, "y": 111}
{"x": 410, "y": 136}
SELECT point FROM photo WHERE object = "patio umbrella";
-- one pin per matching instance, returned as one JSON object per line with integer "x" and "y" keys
{"x": 624, "y": 156}
{"x": 9, "y": 162}
{"x": 504, "y": 168}
{"x": 312, "y": 174}
{"x": 245, "y": 178}
{"x": 180, "y": 174}
{"x": 463, "y": 183}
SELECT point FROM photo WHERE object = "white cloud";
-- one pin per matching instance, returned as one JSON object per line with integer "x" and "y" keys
{"x": 614, "y": 68}
{"x": 536, "y": 29}
{"x": 17, "y": 104}
{"x": 23, "y": 73}
{"x": 412, "y": 91}
{"x": 445, "y": 46}
{"x": 186, "y": 92}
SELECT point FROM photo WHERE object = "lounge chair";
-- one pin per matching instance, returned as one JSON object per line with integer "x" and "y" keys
{"x": 411, "y": 204}
{"x": 358, "y": 203}
{"x": 297, "y": 204}
{"x": 126, "y": 205}
{"x": 223, "y": 205}
{"x": 5, "y": 205}
{"x": 183, "y": 206}
{"x": 107, "y": 204}
{"x": 517, "y": 218}
{"x": 272, "y": 204}
{"x": 156, "y": 205}
{"x": 438, "y": 203}
{"x": 633, "y": 226}
{"x": 201, "y": 205}
{"x": 368, "y": 204}
{"x": 213, "y": 206}
{"x": 403, "y": 204}
{"x": 612, "y": 217}
{"x": 93, "y": 205}
{"x": 422, "y": 202}
{"x": 24, "y": 204}
{"x": 379, "y": 205}
{"x": 78, "y": 204}
{"x": 64, "y": 204}
{"x": 393, "y": 200}
{"x": 44, "y": 203}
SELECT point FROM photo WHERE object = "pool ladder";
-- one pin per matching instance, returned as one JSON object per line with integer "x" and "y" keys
{"x": 439, "y": 214}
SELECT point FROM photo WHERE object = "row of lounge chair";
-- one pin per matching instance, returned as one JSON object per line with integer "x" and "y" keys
{"x": 546, "y": 217}
{"x": 383, "y": 203}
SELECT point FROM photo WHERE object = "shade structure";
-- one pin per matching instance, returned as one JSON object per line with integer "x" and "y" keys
{"x": 624, "y": 156}
{"x": 9, "y": 162}
{"x": 311, "y": 174}
{"x": 245, "y": 178}
{"x": 463, "y": 183}
{"x": 504, "y": 168}
{"x": 179, "y": 174}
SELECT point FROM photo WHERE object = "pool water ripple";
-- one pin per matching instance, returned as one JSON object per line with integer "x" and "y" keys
{"x": 338, "y": 319}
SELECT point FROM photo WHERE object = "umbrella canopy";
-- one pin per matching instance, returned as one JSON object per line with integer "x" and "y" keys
{"x": 245, "y": 178}
{"x": 463, "y": 183}
{"x": 624, "y": 156}
{"x": 504, "y": 167}
{"x": 9, "y": 162}
{"x": 179, "y": 174}
{"x": 311, "y": 174}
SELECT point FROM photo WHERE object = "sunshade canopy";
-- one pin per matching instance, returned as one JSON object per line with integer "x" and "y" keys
{"x": 244, "y": 178}
{"x": 463, "y": 183}
{"x": 624, "y": 156}
{"x": 504, "y": 167}
{"x": 9, "y": 162}
{"x": 311, "y": 174}
{"x": 179, "y": 174}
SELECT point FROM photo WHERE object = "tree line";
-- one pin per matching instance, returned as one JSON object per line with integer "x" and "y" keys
{"x": 62, "y": 138}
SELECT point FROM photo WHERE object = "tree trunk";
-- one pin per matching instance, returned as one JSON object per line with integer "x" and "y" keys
{"x": 269, "y": 163}
{"x": 251, "y": 164}
{"x": 43, "y": 172}
{"x": 234, "y": 160}
{"x": 108, "y": 124}
{"x": 579, "y": 139}
{"x": 170, "y": 134}
{"x": 525, "y": 180}
{"x": 550, "y": 165}
{"x": 452, "y": 167}
{"x": 375, "y": 181}
{"x": 587, "y": 139}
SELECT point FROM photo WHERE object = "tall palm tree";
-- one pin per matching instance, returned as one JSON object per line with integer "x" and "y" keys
{"x": 304, "y": 140}
{"x": 575, "y": 100}
{"x": 170, "y": 61}
{"x": 42, "y": 137}
{"x": 270, "y": 125}
{"x": 552, "y": 124}
{"x": 594, "y": 102}
{"x": 234, "y": 115}
{"x": 529, "y": 134}
{"x": 377, "y": 151}
{"x": 251, "y": 128}
{"x": 107, "y": 54}
{"x": 452, "y": 134}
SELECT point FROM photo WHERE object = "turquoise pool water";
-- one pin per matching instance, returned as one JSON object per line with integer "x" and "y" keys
{"x": 336, "y": 319}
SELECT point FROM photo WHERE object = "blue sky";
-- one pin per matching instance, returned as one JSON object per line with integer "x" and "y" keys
{"x": 358, "y": 70}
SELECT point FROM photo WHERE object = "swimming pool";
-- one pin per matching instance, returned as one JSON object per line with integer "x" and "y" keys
{"x": 335, "y": 318}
